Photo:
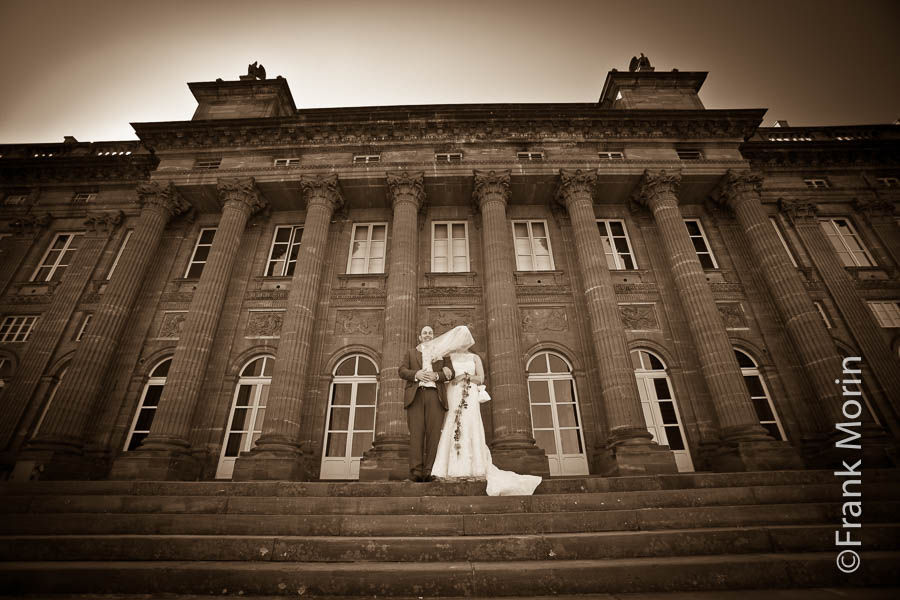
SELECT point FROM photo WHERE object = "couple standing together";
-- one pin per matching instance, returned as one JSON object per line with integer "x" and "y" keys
{"x": 444, "y": 387}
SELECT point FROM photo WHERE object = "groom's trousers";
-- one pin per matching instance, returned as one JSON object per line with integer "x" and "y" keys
{"x": 425, "y": 417}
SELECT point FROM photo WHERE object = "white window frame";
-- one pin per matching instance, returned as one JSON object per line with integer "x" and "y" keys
{"x": 829, "y": 224}
{"x": 346, "y": 466}
{"x": 824, "y": 314}
{"x": 606, "y": 232}
{"x": 366, "y": 158}
{"x": 62, "y": 252}
{"x": 689, "y": 154}
{"x": 887, "y": 312}
{"x": 611, "y": 155}
{"x": 112, "y": 269}
{"x": 534, "y": 156}
{"x": 450, "y": 256}
{"x": 16, "y": 329}
{"x": 368, "y": 257}
{"x": 253, "y": 424}
{"x": 890, "y": 182}
{"x": 50, "y": 397}
{"x": 529, "y": 223}
{"x": 160, "y": 381}
{"x": 286, "y": 162}
{"x": 448, "y": 157}
{"x": 774, "y": 222}
{"x": 709, "y": 251}
{"x": 208, "y": 164}
{"x": 292, "y": 241}
{"x": 83, "y": 197}
{"x": 817, "y": 183}
{"x": 755, "y": 371}
{"x": 84, "y": 323}
{"x": 194, "y": 252}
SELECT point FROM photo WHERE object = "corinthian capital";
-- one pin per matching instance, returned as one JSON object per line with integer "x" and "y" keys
{"x": 575, "y": 184}
{"x": 104, "y": 223}
{"x": 404, "y": 186}
{"x": 798, "y": 210}
{"x": 877, "y": 206}
{"x": 322, "y": 189}
{"x": 657, "y": 186}
{"x": 737, "y": 185}
{"x": 491, "y": 186}
{"x": 242, "y": 191}
{"x": 162, "y": 195}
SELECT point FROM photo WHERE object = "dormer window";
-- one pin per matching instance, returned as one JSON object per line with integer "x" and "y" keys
{"x": 611, "y": 155}
{"x": 888, "y": 181}
{"x": 689, "y": 154}
{"x": 529, "y": 156}
{"x": 815, "y": 184}
{"x": 15, "y": 200}
{"x": 83, "y": 198}
{"x": 208, "y": 164}
{"x": 366, "y": 158}
{"x": 448, "y": 157}
{"x": 287, "y": 162}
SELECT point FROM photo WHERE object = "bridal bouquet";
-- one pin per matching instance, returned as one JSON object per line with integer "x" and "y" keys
{"x": 463, "y": 405}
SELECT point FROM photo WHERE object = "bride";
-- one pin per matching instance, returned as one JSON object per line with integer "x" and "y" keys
{"x": 462, "y": 452}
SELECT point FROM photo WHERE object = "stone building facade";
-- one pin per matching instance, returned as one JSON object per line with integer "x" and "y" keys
{"x": 653, "y": 286}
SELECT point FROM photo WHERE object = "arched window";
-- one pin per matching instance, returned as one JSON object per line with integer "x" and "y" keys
{"x": 759, "y": 393}
{"x": 143, "y": 418}
{"x": 54, "y": 387}
{"x": 350, "y": 422}
{"x": 661, "y": 412}
{"x": 555, "y": 417}
{"x": 247, "y": 412}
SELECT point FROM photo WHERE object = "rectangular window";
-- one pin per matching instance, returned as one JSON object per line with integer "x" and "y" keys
{"x": 448, "y": 157}
{"x": 201, "y": 253}
{"x": 790, "y": 254}
{"x": 112, "y": 269}
{"x": 57, "y": 257}
{"x": 367, "y": 248}
{"x": 616, "y": 244}
{"x": 209, "y": 164}
{"x": 84, "y": 324}
{"x": 287, "y": 162}
{"x": 17, "y": 329}
{"x": 83, "y": 198}
{"x": 449, "y": 247}
{"x": 283, "y": 254}
{"x": 824, "y": 314}
{"x": 689, "y": 154}
{"x": 611, "y": 155}
{"x": 815, "y": 184}
{"x": 887, "y": 313}
{"x": 701, "y": 244}
{"x": 530, "y": 155}
{"x": 532, "y": 243}
{"x": 846, "y": 243}
{"x": 888, "y": 181}
{"x": 366, "y": 158}
{"x": 15, "y": 200}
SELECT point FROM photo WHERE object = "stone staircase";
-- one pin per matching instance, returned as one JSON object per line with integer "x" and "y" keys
{"x": 685, "y": 532}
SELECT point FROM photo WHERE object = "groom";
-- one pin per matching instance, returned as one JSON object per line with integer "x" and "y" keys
{"x": 425, "y": 402}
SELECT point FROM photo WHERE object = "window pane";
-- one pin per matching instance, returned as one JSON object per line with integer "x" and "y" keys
{"x": 283, "y": 234}
{"x": 744, "y": 361}
{"x": 359, "y": 250}
{"x": 365, "y": 394}
{"x": 378, "y": 232}
{"x": 521, "y": 230}
{"x": 260, "y": 419}
{"x": 772, "y": 428}
{"x": 440, "y": 232}
{"x": 538, "y": 364}
{"x": 459, "y": 247}
{"x": 254, "y": 369}
{"x": 667, "y": 411}
{"x": 540, "y": 393}
{"x": 376, "y": 266}
{"x": 340, "y": 418}
{"x": 566, "y": 415}
{"x": 546, "y": 440}
{"x": 542, "y": 263}
{"x": 524, "y": 263}
{"x": 361, "y": 443}
{"x": 692, "y": 227}
{"x": 523, "y": 247}
{"x": 557, "y": 365}
{"x": 537, "y": 229}
{"x": 754, "y": 385}
{"x": 706, "y": 261}
{"x": 358, "y": 265}
{"x": 364, "y": 419}
{"x": 654, "y": 362}
{"x": 347, "y": 367}
{"x": 661, "y": 386}
{"x": 440, "y": 265}
{"x": 377, "y": 250}
{"x": 145, "y": 419}
{"x": 136, "y": 439}
{"x": 233, "y": 448}
{"x": 541, "y": 247}
{"x": 571, "y": 442}
{"x": 268, "y": 366}
{"x": 440, "y": 248}
{"x": 154, "y": 393}
{"x": 673, "y": 433}
{"x": 699, "y": 246}
{"x": 616, "y": 228}
{"x": 240, "y": 419}
{"x": 341, "y": 395}
{"x": 337, "y": 444}
{"x": 541, "y": 417}
{"x": 762, "y": 409}
{"x": 459, "y": 230}
{"x": 366, "y": 367}
{"x": 562, "y": 389}
{"x": 162, "y": 369}
{"x": 207, "y": 236}
{"x": 195, "y": 271}
{"x": 460, "y": 264}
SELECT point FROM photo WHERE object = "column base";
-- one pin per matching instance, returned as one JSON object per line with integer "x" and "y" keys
{"x": 625, "y": 460}
{"x": 156, "y": 465}
{"x": 271, "y": 466}
{"x": 385, "y": 462}
{"x": 763, "y": 455}
{"x": 50, "y": 465}
{"x": 521, "y": 458}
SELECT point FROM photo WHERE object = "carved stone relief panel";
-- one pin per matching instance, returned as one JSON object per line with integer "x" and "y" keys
{"x": 264, "y": 324}
{"x": 639, "y": 317}
{"x": 732, "y": 314}
{"x": 445, "y": 319}
{"x": 172, "y": 324}
{"x": 358, "y": 322}
{"x": 551, "y": 318}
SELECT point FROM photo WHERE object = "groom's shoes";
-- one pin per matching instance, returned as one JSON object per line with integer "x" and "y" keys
{"x": 429, "y": 478}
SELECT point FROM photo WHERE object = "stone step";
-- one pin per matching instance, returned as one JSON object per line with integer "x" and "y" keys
{"x": 554, "y": 485}
{"x": 440, "y": 504}
{"x": 299, "y": 579}
{"x": 560, "y": 546}
{"x": 439, "y": 525}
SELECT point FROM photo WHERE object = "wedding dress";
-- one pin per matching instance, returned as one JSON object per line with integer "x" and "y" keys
{"x": 462, "y": 450}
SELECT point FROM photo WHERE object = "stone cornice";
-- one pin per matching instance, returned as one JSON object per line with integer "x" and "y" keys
{"x": 403, "y": 186}
{"x": 491, "y": 186}
{"x": 241, "y": 190}
{"x": 734, "y": 185}
{"x": 445, "y": 124}
{"x": 655, "y": 185}
{"x": 164, "y": 196}
{"x": 574, "y": 184}
{"x": 322, "y": 189}
{"x": 80, "y": 170}
{"x": 825, "y": 155}
{"x": 798, "y": 210}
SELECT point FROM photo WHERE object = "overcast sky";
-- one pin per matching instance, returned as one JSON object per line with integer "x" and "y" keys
{"x": 88, "y": 68}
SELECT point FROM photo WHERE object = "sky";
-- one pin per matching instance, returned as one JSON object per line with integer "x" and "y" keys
{"x": 88, "y": 68}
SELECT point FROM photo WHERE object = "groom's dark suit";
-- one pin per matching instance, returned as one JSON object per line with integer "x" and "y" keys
{"x": 425, "y": 408}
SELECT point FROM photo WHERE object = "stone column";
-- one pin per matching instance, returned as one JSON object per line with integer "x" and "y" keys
{"x": 45, "y": 337}
{"x": 165, "y": 453}
{"x": 876, "y": 353}
{"x": 389, "y": 456}
{"x": 632, "y": 450}
{"x": 62, "y": 432}
{"x": 277, "y": 453}
{"x": 746, "y": 445}
{"x": 513, "y": 446}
